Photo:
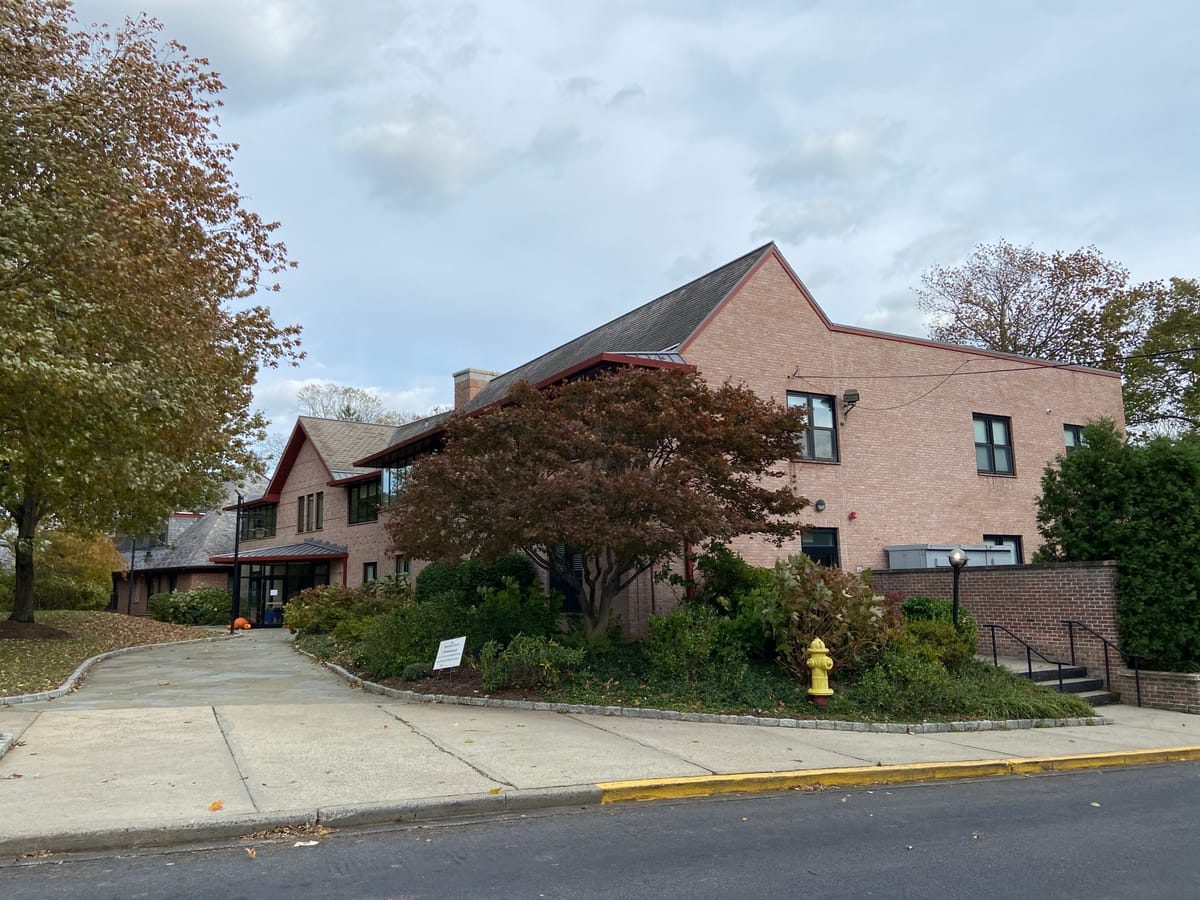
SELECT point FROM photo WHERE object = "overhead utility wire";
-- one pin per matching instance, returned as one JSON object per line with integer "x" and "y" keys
{"x": 1029, "y": 367}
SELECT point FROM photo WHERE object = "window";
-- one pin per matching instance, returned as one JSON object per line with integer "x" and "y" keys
{"x": 1012, "y": 541}
{"x": 363, "y": 500}
{"x": 310, "y": 512}
{"x": 370, "y": 572}
{"x": 1073, "y": 437}
{"x": 993, "y": 445}
{"x": 820, "y": 437}
{"x": 258, "y": 522}
{"x": 820, "y": 545}
{"x": 403, "y": 566}
{"x": 393, "y": 483}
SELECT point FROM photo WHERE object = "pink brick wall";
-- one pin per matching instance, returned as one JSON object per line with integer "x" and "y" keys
{"x": 1031, "y": 601}
{"x": 366, "y": 542}
{"x": 907, "y": 463}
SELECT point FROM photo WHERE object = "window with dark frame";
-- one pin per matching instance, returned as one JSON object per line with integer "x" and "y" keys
{"x": 363, "y": 500}
{"x": 258, "y": 522}
{"x": 310, "y": 512}
{"x": 1072, "y": 437}
{"x": 370, "y": 572}
{"x": 993, "y": 444}
{"x": 403, "y": 565}
{"x": 819, "y": 441}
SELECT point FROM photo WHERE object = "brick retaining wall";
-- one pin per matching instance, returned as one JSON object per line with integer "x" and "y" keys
{"x": 1178, "y": 691}
{"x": 1032, "y": 601}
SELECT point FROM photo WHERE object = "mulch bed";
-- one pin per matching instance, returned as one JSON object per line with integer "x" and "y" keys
{"x": 461, "y": 682}
{"x": 31, "y": 631}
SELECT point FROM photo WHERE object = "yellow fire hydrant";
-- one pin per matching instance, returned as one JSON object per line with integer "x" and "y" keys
{"x": 819, "y": 665}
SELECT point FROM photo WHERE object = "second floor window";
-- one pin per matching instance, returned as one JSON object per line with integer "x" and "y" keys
{"x": 310, "y": 512}
{"x": 820, "y": 437}
{"x": 1073, "y": 437}
{"x": 258, "y": 522}
{"x": 993, "y": 444}
{"x": 363, "y": 500}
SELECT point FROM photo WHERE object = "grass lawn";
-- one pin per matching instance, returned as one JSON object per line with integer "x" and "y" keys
{"x": 37, "y": 659}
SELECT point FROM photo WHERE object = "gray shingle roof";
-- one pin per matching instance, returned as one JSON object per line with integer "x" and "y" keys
{"x": 341, "y": 443}
{"x": 655, "y": 328}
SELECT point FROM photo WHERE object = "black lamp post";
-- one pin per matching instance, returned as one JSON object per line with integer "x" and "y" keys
{"x": 237, "y": 570}
{"x": 958, "y": 559}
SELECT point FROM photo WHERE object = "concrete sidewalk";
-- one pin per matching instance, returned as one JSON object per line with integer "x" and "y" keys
{"x": 214, "y": 740}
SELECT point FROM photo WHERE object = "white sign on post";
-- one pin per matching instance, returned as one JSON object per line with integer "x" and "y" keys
{"x": 450, "y": 653}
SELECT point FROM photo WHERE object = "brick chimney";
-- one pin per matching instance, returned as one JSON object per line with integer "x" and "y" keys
{"x": 468, "y": 383}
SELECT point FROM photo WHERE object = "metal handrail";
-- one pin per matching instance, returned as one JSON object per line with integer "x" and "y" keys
{"x": 1029, "y": 651}
{"x": 1132, "y": 657}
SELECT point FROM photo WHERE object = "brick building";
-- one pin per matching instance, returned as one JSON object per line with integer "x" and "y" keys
{"x": 910, "y": 442}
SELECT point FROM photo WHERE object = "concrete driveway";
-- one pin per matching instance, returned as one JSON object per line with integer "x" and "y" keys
{"x": 256, "y": 667}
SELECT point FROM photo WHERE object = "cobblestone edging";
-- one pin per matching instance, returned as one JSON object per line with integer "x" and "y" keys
{"x": 636, "y": 712}
{"x": 69, "y": 685}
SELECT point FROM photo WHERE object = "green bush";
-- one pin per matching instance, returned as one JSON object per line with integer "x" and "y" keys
{"x": 728, "y": 579}
{"x": 408, "y": 635}
{"x": 503, "y": 613}
{"x": 939, "y": 642}
{"x": 468, "y": 578}
{"x": 527, "y": 662}
{"x": 694, "y": 641}
{"x": 416, "y": 671}
{"x": 1137, "y": 504}
{"x": 906, "y": 684}
{"x": 935, "y": 609}
{"x": 342, "y": 612}
{"x": 809, "y": 600}
{"x": 201, "y": 606}
{"x": 53, "y": 591}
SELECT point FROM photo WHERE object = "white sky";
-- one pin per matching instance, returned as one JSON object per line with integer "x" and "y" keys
{"x": 472, "y": 184}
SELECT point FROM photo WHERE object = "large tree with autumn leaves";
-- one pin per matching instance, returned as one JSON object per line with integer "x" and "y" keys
{"x": 128, "y": 341}
{"x": 625, "y": 469}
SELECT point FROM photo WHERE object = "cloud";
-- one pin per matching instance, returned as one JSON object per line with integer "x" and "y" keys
{"x": 627, "y": 94}
{"x": 799, "y": 221}
{"x": 849, "y": 154}
{"x": 896, "y": 313}
{"x": 420, "y": 160}
{"x": 271, "y": 52}
{"x": 580, "y": 84}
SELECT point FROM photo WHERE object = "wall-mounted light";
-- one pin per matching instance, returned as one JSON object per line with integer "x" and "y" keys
{"x": 819, "y": 506}
{"x": 849, "y": 401}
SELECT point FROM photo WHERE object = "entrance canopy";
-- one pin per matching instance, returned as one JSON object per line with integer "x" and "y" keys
{"x": 305, "y": 551}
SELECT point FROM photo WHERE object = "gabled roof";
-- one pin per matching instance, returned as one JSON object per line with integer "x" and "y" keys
{"x": 338, "y": 445}
{"x": 652, "y": 334}
{"x": 654, "y": 330}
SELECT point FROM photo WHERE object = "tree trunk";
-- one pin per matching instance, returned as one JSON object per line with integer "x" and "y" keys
{"x": 23, "y": 552}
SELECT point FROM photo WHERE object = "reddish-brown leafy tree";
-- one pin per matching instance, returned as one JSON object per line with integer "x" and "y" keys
{"x": 624, "y": 468}
{"x": 125, "y": 375}
{"x": 1066, "y": 307}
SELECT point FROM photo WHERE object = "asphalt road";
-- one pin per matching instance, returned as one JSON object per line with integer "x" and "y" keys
{"x": 1097, "y": 834}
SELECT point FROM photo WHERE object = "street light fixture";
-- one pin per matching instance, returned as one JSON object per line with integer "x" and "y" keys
{"x": 958, "y": 559}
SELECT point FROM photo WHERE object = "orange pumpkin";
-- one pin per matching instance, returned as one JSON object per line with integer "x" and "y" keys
{"x": 241, "y": 623}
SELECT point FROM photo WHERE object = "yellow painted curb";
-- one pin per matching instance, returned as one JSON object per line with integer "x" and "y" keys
{"x": 706, "y": 785}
